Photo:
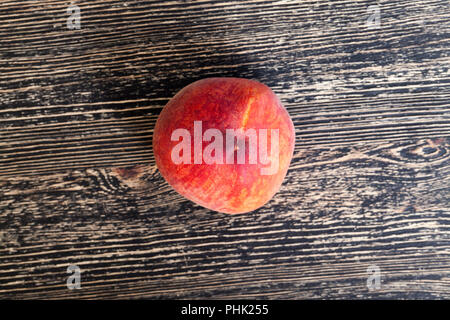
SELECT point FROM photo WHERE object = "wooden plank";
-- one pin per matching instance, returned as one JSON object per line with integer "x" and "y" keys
{"x": 368, "y": 185}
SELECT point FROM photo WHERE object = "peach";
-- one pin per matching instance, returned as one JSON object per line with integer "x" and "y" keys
{"x": 224, "y": 143}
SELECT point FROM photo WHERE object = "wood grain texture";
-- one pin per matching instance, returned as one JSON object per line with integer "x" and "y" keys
{"x": 369, "y": 183}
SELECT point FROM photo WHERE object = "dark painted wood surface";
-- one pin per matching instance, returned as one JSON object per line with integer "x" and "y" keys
{"x": 368, "y": 185}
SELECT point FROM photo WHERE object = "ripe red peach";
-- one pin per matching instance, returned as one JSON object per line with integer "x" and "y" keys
{"x": 224, "y": 143}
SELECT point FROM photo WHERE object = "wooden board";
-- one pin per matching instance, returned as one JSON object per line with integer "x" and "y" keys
{"x": 368, "y": 186}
